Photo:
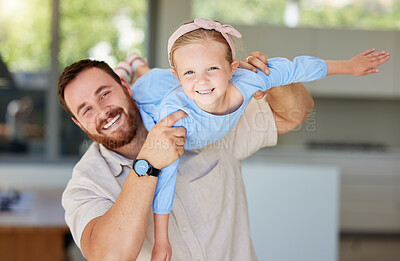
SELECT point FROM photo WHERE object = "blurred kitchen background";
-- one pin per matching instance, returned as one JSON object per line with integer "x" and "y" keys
{"x": 337, "y": 177}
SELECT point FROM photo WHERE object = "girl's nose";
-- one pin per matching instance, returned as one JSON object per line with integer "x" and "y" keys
{"x": 202, "y": 78}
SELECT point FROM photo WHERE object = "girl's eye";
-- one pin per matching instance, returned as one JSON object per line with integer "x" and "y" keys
{"x": 213, "y": 68}
{"x": 188, "y": 73}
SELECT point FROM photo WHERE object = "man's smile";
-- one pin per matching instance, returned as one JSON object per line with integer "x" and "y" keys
{"x": 112, "y": 122}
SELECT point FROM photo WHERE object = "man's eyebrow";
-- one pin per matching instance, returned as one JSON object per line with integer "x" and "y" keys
{"x": 102, "y": 87}
{"x": 80, "y": 107}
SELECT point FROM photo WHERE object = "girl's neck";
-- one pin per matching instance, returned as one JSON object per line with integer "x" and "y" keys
{"x": 228, "y": 103}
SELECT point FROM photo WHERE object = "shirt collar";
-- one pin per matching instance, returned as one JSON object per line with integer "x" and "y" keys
{"x": 114, "y": 160}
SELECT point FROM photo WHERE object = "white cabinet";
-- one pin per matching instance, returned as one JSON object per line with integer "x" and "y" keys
{"x": 293, "y": 210}
{"x": 370, "y": 185}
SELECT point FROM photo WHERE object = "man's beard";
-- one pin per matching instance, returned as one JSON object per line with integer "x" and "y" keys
{"x": 121, "y": 136}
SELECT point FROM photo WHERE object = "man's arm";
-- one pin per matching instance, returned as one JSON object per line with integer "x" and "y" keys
{"x": 120, "y": 232}
{"x": 291, "y": 104}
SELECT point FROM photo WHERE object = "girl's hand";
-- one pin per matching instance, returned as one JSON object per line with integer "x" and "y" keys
{"x": 366, "y": 62}
{"x": 162, "y": 251}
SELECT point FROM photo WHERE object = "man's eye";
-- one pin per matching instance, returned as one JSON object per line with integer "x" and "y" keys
{"x": 104, "y": 95}
{"x": 188, "y": 72}
{"x": 86, "y": 110}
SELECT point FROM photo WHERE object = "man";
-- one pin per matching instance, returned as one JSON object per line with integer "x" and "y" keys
{"x": 108, "y": 205}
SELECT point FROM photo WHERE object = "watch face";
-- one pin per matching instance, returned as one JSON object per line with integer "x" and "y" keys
{"x": 141, "y": 167}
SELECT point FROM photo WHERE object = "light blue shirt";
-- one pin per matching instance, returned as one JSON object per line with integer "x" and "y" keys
{"x": 158, "y": 94}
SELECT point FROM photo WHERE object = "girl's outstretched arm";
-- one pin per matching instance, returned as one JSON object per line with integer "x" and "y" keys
{"x": 362, "y": 64}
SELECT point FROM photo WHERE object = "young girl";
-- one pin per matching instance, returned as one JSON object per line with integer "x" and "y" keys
{"x": 215, "y": 93}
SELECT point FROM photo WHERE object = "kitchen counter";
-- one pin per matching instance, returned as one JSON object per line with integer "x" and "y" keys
{"x": 35, "y": 232}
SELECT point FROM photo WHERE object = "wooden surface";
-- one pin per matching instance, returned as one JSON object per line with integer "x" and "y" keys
{"x": 37, "y": 233}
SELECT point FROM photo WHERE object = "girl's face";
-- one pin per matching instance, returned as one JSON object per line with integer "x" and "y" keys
{"x": 204, "y": 73}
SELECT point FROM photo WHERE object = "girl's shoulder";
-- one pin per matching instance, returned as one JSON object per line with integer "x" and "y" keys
{"x": 153, "y": 86}
{"x": 248, "y": 82}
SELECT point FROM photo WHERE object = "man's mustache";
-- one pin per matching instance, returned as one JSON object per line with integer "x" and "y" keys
{"x": 112, "y": 114}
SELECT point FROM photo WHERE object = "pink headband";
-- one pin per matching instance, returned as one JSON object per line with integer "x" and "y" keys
{"x": 208, "y": 24}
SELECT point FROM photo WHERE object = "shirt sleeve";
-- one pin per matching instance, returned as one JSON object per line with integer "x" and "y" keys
{"x": 165, "y": 189}
{"x": 301, "y": 69}
{"x": 82, "y": 203}
{"x": 153, "y": 86}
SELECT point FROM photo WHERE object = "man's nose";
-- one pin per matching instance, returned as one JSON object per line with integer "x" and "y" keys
{"x": 104, "y": 111}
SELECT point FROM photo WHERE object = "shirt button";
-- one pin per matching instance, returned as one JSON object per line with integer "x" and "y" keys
{"x": 184, "y": 228}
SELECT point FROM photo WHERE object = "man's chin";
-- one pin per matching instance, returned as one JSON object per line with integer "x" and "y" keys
{"x": 112, "y": 142}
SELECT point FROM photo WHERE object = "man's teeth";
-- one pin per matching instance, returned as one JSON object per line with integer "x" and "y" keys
{"x": 108, "y": 125}
{"x": 206, "y": 91}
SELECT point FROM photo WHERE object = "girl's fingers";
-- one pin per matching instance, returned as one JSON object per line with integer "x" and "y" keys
{"x": 368, "y": 51}
{"x": 380, "y": 59}
{"x": 372, "y": 70}
{"x": 378, "y": 54}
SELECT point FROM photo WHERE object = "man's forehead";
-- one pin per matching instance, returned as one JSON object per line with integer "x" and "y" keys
{"x": 86, "y": 84}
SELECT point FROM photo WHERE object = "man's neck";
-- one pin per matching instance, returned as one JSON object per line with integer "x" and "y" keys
{"x": 132, "y": 149}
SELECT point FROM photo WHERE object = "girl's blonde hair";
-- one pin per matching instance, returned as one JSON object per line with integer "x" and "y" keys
{"x": 198, "y": 36}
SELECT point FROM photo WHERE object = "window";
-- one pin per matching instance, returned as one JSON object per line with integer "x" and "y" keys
{"x": 102, "y": 30}
{"x": 356, "y": 14}
{"x": 25, "y": 61}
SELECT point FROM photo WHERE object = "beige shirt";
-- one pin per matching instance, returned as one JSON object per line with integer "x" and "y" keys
{"x": 209, "y": 218}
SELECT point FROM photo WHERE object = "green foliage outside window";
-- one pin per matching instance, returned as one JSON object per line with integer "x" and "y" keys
{"x": 87, "y": 23}
{"x": 25, "y": 34}
{"x": 356, "y": 14}
{"x": 25, "y": 30}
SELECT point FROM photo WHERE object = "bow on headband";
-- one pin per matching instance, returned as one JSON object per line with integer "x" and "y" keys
{"x": 208, "y": 24}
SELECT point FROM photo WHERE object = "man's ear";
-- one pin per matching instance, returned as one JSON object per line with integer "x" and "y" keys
{"x": 77, "y": 122}
{"x": 126, "y": 85}
{"x": 234, "y": 66}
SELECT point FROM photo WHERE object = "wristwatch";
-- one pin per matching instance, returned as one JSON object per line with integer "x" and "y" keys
{"x": 143, "y": 168}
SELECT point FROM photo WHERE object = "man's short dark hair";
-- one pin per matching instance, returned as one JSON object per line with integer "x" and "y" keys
{"x": 72, "y": 71}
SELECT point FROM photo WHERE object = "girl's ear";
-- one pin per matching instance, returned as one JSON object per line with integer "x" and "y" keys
{"x": 174, "y": 73}
{"x": 234, "y": 66}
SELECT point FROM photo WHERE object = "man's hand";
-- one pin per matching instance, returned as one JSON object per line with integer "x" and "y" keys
{"x": 251, "y": 62}
{"x": 164, "y": 143}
